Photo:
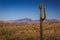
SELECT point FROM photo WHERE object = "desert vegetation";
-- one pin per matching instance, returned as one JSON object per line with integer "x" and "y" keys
{"x": 25, "y": 31}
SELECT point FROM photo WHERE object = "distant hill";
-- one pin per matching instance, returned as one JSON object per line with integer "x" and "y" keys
{"x": 52, "y": 20}
{"x": 27, "y": 20}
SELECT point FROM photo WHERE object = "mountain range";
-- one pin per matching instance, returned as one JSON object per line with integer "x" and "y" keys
{"x": 27, "y": 20}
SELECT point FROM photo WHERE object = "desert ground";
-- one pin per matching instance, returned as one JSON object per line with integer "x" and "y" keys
{"x": 25, "y": 31}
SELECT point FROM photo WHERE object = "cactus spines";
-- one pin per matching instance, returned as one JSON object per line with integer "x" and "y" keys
{"x": 42, "y": 18}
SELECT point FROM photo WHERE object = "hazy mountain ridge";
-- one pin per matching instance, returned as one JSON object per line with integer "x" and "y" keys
{"x": 52, "y": 20}
{"x": 27, "y": 20}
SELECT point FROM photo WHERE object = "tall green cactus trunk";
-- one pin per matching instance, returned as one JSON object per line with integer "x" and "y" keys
{"x": 42, "y": 18}
{"x": 41, "y": 31}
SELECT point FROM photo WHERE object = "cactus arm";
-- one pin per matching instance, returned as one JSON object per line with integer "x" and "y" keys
{"x": 41, "y": 6}
{"x": 40, "y": 10}
{"x": 40, "y": 13}
{"x": 43, "y": 17}
{"x": 44, "y": 13}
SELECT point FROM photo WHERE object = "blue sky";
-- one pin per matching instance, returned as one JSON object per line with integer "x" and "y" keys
{"x": 18, "y": 9}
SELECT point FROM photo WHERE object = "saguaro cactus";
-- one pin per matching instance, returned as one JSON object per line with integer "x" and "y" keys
{"x": 42, "y": 18}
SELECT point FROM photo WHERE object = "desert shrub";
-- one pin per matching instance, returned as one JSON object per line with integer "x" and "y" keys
{"x": 30, "y": 38}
